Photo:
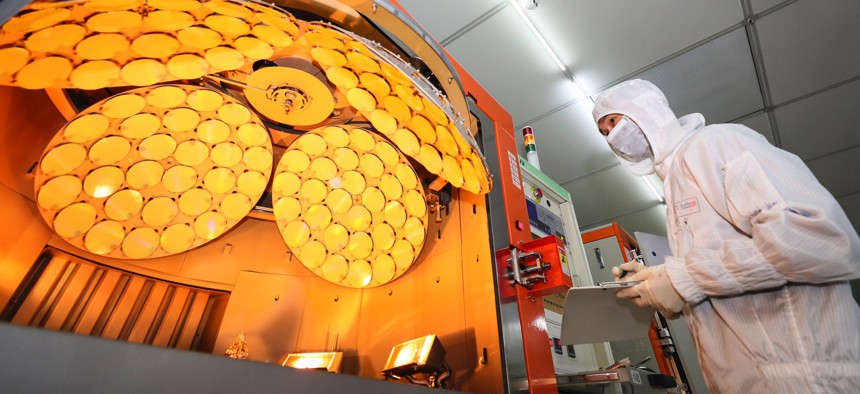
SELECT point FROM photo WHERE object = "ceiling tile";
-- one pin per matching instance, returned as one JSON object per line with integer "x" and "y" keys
{"x": 808, "y": 46}
{"x": 837, "y": 172}
{"x": 568, "y": 143}
{"x": 763, "y": 5}
{"x": 607, "y": 194}
{"x": 651, "y": 220}
{"x": 506, "y": 59}
{"x": 759, "y": 123}
{"x": 716, "y": 79}
{"x": 603, "y": 41}
{"x": 803, "y": 124}
{"x": 442, "y": 18}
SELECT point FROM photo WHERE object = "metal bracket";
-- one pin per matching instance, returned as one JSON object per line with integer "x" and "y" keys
{"x": 523, "y": 274}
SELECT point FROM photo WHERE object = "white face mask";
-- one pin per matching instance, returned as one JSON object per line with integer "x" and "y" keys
{"x": 628, "y": 140}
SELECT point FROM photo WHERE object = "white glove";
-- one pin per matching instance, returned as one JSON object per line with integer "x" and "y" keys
{"x": 627, "y": 268}
{"x": 655, "y": 291}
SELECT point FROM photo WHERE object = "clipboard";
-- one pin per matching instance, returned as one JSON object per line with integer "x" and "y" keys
{"x": 594, "y": 314}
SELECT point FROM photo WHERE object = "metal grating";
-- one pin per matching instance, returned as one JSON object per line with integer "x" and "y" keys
{"x": 70, "y": 294}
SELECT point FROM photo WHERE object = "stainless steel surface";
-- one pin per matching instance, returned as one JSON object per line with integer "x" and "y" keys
{"x": 629, "y": 379}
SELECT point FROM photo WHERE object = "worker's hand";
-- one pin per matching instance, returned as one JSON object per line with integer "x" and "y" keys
{"x": 620, "y": 272}
{"x": 655, "y": 291}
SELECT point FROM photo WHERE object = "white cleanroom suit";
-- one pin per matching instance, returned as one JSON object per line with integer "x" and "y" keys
{"x": 761, "y": 252}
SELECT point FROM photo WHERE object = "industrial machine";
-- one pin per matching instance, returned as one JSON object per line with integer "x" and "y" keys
{"x": 608, "y": 246}
{"x": 551, "y": 212}
{"x": 273, "y": 181}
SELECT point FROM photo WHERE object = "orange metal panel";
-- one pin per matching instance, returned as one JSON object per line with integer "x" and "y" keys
{"x": 539, "y": 366}
{"x": 330, "y": 322}
{"x": 479, "y": 291}
{"x": 269, "y": 309}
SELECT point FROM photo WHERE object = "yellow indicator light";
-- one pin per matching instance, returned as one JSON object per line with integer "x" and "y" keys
{"x": 340, "y": 206}
{"x": 144, "y": 161}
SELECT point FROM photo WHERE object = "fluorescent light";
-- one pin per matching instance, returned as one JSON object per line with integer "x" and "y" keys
{"x": 537, "y": 34}
{"x": 654, "y": 190}
{"x": 577, "y": 86}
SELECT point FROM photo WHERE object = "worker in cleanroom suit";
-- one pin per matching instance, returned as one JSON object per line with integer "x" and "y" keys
{"x": 762, "y": 253}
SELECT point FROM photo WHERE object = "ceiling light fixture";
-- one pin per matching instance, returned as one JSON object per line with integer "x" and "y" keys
{"x": 654, "y": 189}
{"x": 580, "y": 90}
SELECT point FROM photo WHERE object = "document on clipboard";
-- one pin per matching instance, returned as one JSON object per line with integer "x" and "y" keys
{"x": 594, "y": 314}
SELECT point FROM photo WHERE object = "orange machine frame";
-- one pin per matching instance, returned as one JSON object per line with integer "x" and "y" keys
{"x": 627, "y": 243}
{"x": 538, "y": 357}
